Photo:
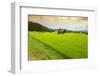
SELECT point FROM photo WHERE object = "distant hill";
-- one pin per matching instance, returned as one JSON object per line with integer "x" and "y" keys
{"x": 33, "y": 26}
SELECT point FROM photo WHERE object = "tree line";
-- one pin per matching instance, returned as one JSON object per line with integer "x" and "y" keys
{"x": 33, "y": 26}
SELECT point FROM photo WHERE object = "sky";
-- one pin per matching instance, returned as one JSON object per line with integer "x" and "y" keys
{"x": 74, "y": 23}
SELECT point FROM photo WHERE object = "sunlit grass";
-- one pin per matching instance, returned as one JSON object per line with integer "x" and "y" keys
{"x": 50, "y": 45}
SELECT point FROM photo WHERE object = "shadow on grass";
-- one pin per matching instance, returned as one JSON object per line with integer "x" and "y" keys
{"x": 64, "y": 56}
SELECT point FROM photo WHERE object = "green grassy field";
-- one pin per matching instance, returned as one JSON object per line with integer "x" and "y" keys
{"x": 50, "y": 45}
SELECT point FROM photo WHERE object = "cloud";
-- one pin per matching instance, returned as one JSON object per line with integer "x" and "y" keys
{"x": 66, "y": 22}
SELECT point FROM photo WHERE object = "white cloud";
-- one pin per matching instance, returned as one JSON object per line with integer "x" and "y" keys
{"x": 56, "y": 22}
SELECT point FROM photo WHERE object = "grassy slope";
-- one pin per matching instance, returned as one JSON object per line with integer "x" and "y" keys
{"x": 40, "y": 51}
{"x": 73, "y": 45}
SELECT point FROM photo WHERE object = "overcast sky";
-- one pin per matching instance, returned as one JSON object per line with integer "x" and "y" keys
{"x": 74, "y": 23}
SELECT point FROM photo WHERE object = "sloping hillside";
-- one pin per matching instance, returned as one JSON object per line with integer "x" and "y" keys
{"x": 32, "y": 26}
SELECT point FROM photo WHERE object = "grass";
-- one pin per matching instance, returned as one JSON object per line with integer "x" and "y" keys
{"x": 50, "y": 45}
